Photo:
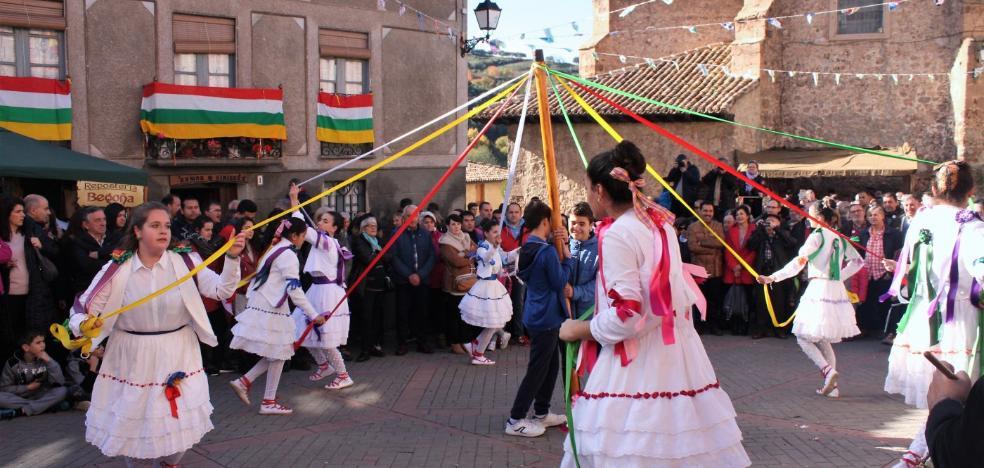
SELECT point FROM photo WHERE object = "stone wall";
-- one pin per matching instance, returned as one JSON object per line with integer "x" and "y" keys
{"x": 715, "y": 138}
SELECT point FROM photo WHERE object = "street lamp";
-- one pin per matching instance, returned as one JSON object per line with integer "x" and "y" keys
{"x": 487, "y": 14}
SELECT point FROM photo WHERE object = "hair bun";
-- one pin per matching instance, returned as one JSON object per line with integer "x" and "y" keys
{"x": 628, "y": 157}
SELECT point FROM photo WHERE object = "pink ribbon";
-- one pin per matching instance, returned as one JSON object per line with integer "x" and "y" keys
{"x": 697, "y": 271}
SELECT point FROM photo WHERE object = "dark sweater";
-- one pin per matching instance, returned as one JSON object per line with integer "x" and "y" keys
{"x": 953, "y": 431}
{"x": 545, "y": 276}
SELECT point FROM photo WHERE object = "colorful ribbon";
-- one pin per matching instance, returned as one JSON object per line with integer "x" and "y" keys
{"x": 172, "y": 391}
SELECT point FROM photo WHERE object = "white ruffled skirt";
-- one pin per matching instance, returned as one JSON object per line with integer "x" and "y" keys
{"x": 665, "y": 409}
{"x": 264, "y": 330}
{"x": 825, "y": 313}
{"x": 909, "y": 373}
{"x": 334, "y": 333}
{"x": 130, "y": 415}
{"x": 486, "y": 305}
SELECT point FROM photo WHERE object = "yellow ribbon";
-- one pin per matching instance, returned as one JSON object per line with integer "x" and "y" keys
{"x": 618, "y": 138}
{"x": 87, "y": 324}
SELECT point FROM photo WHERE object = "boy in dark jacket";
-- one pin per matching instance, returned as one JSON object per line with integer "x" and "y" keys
{"x": 546, "y": 276}
{"x": 31, "y": 381}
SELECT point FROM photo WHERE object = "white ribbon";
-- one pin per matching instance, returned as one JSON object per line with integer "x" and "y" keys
{"x": 515, "y": 154}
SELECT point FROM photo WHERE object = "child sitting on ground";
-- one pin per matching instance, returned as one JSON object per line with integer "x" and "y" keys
{"x": 31, "y": 382}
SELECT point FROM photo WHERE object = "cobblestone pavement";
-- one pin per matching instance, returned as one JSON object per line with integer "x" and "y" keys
{"x": 438, "y": 411}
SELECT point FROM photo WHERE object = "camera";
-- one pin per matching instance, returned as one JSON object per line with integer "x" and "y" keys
{"x": 682, "y": 164}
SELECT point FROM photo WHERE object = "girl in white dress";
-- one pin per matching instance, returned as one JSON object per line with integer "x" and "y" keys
{"x": 825, "y": 314}
{"x": 652, "y": 399}
{"x": 151, "y": 399}
{"x": 487, "y": 303}
{"x": 326, "y": 265}
{"x": 943, "y": 258}
{"x": 265, "y": 328}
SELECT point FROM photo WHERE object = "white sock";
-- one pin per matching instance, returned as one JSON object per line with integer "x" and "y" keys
{"x": 274, "y": 369}
{"x": 483, "y": 341}
{"x": 828, "y": 353}
{"x": 334, "y": 357}
{"x": 813, "y": 352}
{"x": 257, "y": 370}
{"x": 918, "y": 445}
{"x": 320, "y": 355}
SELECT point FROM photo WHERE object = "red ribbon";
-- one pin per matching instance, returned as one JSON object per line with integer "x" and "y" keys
{"x": 172, "y": 392}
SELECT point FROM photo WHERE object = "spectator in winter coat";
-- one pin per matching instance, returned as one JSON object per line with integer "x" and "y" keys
{"x": 85, "y": 239}
{"x": 413, "y": 259}
{"x": 708, "y": 252}
{"x": 685, "y": 179}
{"x": 720, "y": 189}
{"x": 584, "y": 251}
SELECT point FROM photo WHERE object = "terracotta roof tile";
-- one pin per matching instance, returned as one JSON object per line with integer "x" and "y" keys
{"x": 478, "y": 172}
{"x": 683, "y": 86}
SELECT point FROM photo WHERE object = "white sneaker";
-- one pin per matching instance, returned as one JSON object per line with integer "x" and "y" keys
{"x": 340, "y": 383}
{"x": 241, "y": 387}
{"x": 829, "y": 381}
{"x": 504, "y": 340}
{"x": 835, "y": 393}
{"x": 273, "y": 407}
{"x": 480, "y": 360}
{"x": 525, "y": 428}
{"x": 550, "y": 419}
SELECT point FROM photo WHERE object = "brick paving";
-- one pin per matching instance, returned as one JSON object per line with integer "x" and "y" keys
{"x": 438, "y": 411}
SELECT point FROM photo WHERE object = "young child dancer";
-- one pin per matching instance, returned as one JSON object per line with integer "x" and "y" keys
{"x": 942, "y": 316}
{"x": 487, "y": 303}
{"x": 153, "y": 347}
{"x": 652, "y": 398}
{"x": 825, "y": 314}
{"x": 326, "y": 265}
{"x": 265, "y": 328}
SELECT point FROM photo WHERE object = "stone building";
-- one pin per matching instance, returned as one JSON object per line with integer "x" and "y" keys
{"x": 111, "y": 49}
{"x": 721, "y": 69}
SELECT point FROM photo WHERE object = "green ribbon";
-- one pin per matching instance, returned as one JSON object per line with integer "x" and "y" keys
{"x": 731, "y": 122}
{"x": 836, "y": 258}
{"x": 569, "y": 358}
{"x": 918, "y": 276}
{"x": 567, "y": 118}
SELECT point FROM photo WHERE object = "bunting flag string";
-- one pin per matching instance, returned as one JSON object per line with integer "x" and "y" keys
{"x": 774, "y": 21}
{"x": 773, "y": 73}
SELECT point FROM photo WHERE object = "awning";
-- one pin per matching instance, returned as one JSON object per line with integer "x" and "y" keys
{"x": 21, "y": 156}
{"x": 788, "y": 164}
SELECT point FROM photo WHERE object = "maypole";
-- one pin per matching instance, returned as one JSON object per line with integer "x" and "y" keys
{"x": 553, "y": 186}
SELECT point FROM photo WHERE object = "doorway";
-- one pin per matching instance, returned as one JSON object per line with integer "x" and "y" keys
{"x": 205, "y": 193}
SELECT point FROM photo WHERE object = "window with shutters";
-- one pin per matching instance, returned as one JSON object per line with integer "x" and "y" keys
{"x": 859, "y": 19}
{"x": 32, "y": 38}
{"x": 204, "y": 51}
{"x": 349, "y": 200}
{"x": 344, "y": 69}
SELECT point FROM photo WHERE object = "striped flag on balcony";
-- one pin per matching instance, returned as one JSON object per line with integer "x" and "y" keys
{"x": 345, "y": 118}
{"x": 40, "y": 108}
{"x": 195, "y": 112}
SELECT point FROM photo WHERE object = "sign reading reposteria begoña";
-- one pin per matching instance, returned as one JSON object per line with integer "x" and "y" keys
{"x": 103, "y": 193}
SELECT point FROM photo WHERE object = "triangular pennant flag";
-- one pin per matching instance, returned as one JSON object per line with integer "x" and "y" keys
{"x": 939, "y": 2}
{"x": 692, "y": 29}
{"x": 621, "y": 58}
{"x": 403, "y": 9}
{"x": 849, "y": 11}
{"x": 728, "y": 26}
{"x": 574, "y": 25}
{"x": 892, "y": 6}
{"x": 879, "y": 76}
{"x": 381, "y": 4}
{"x": 451, "y": 33}
{"x": 676, "y": 65}
{"x": 932, "y": 77}
{"x": 668, "y": 2}
{"x": 420, "y": 21}
{"x": 702, "y": 68}
{"x": 725, "y": 70}
{"x": 791, "y": 73}
{"x": 594, "y": 55}
{"x": 809, "y": 18}
{"x": 912, "y": 77}
{"x": 837, "y": 78}
{"x": 772, "y": 74}
{"x": 547, "y": 36}
{"x": 816, "y": 79}
{"x": 774, "y": 22}
{"x": 651, "y": 63}
{"x": 522, "y": 36}
{"x": 860, "y": 76}
{"x": 895, "y": 78}
{"x": 627, "y": 11}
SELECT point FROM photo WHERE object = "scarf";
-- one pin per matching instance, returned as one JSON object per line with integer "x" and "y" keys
{"x": 461, "y": 242}
{"x": 373, "y": 242}
{"x": 752, "y": 176}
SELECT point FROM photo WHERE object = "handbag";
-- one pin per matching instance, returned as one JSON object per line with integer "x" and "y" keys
{"x": 49, "y": 272}
{"x": 736, "y": 303}
{"x": 463, "y": 282}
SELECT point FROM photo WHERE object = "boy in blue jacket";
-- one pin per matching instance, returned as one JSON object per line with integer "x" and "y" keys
{"x": 546, "y": 276}
{"x": 584, "y": 251}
